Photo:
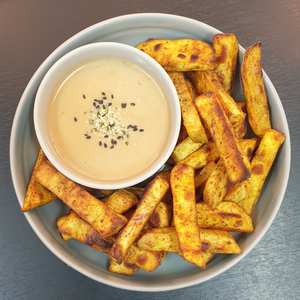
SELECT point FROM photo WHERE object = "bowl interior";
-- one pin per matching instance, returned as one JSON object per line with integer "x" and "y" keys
{"x": 174, "y": 273}
{"x": 80, "y": 56}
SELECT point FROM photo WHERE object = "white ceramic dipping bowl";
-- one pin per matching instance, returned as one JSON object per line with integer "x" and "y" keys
{"x": 81, "y": 55}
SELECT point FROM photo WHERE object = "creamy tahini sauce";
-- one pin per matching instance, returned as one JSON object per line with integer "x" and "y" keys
{"x": 81, "y": 127}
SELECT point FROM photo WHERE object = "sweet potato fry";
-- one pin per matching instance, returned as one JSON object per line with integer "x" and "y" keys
{"x": 226, "y": 49}
{"x": 190, "y": 116}
{"x": 89, "y": 208}
{"x": 59, "y": 223}
{"x": 260, "y": 167}
{"x": 37, "y": 195}
{"x": 203, "y": 175}
{"x": 165, "y": 239}
{"x": 184, "y": 149}
{"x": 136, "y": 191}
{"x": 209, "y": 82}
{"x": 217, "y": 185}
{"x": 146, "y": 260}
{"x": 121, "y": 201}
{"x": 241, "y": 130}
{"x": 180, "y": 55}
{"x": 201, "y": 157}
{"x": 192, "y": 88}
{"x": 226, "y": 216}
{"x": 254, "y": 90}
{"x": 185, "y": 215}
{"x": 152, "y": 195}
{"x": 78, "y": 229}
{"x": 222, "y": 132}
{"x": 123, "y": 268}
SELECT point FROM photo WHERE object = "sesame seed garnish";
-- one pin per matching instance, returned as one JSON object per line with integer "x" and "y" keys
{"x": 119, "y": 137}
{"x": 141, "y": 130}
{"x": 109, "y": 104}
{"x": 103, "y": 106}
{"x": 132, "y": 104}
{"x": 123, "y": 105}
{"x": 75, "y": 119}
{"x": 112, "y": 147}
{"x": 129, "y": 126}
{"x": 112, "y": 96}
{"x": 100, "y": 143}
{"x": 94, "y": 104}
{"x": 88, "y": 137}
{"x": 100, "y": 101}
{"x": 97, "y": 106}
{"x": 106, "y": 136}
{"x": 103, "y": 93}
{"x": 104, "y": 98}
{"x": 135, "y": 129}
{"x": 105, "y": 146}
{"x": 83, "y": 96}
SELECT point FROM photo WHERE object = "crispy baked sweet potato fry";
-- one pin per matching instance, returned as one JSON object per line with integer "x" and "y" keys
{"x": 226, "y": 49}
{"x": 165, "y": 239}
{"x": 226, "y": 216}
{"x": 146, "y": 260}
{"x": 123, "y": 268}
{"x": 161, "y": 216}
{"x": 185, "y": 215}
{"x": 89, "y": 208}
{"x": 180, "y": 55}
{"x": 78, "y": 229}
{"x": 222, "y": 132}
{"x": 201, "y": 157}
{"x": 37, "y": 195}
{"x": 192, "y": 88}
{"x": 152, "y": 195}
{"x": 121, "y": 201}
{"x": 260, "y": 167}
{"x": 184, "y": 149}
{"x": 190, "y": 116}
{"x": 241, "y": 130}
{"x": 217, "y": 185}
{"x": 254, "y": 90}
{"x": 203, "y": 175}
{"x": 59, "y": 223}
{"x": 206, "y": 82}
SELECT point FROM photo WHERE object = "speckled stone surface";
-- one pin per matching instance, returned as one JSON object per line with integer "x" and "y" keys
{"x": 31, "y": 30}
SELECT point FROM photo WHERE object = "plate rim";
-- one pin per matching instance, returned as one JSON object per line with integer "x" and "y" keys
{"x": 107, "y": 281}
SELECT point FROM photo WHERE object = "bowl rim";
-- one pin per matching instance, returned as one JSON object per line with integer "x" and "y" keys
{"x": 166, "y": 86}
{"x": 127, "y": 286}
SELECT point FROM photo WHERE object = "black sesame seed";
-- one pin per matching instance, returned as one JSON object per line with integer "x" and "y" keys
{"x": 119, "y": 137}
{"x": 94, "y": 104}
{"x": 95, "y": 100}
{"x": 100, "y": 143}
{"x": 105, "y": 146}
{"x": 123, "y": 105}
{"x": 104, "y": 115}
{"x": 75, "y": 119}
{"x": 97, "y": 106}
{"x": 109, "y": 104}
{"x": 104, "y": 98}
{"x": 103, "y": 93}
{"x": 88, "y": 137}
{"x": 115, "y": 142}
{"x": 83, "y": 96}
{"x": 112, "y": 96}
{"x": 112, "y": 147}
{"x": 129, "y": 126}
{"x": 132, "y": 104}
{"x": 100, "y": 101}
{"x": 135, "y": 129}
{"x": 112, "y": 141}
{"x": 103, "y": 106}
{"x": 106, "y": 136}
{"x": 141, "y": 130}
{"x": 111, "y": 125}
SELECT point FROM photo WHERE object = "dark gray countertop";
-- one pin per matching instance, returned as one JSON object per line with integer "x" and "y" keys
{"x": 31, "y": 30}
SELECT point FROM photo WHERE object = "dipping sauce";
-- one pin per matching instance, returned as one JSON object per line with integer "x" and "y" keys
{"x": 108, "y": 119}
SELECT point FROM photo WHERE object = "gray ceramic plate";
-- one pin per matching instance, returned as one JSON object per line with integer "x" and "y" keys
{"x": 174, "y": 273}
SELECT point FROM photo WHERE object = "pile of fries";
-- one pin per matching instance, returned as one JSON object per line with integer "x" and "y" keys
{"x": 216, "y": 178}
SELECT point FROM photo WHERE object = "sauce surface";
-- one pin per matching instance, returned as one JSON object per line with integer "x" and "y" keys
{"x": 108, "y": 119}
